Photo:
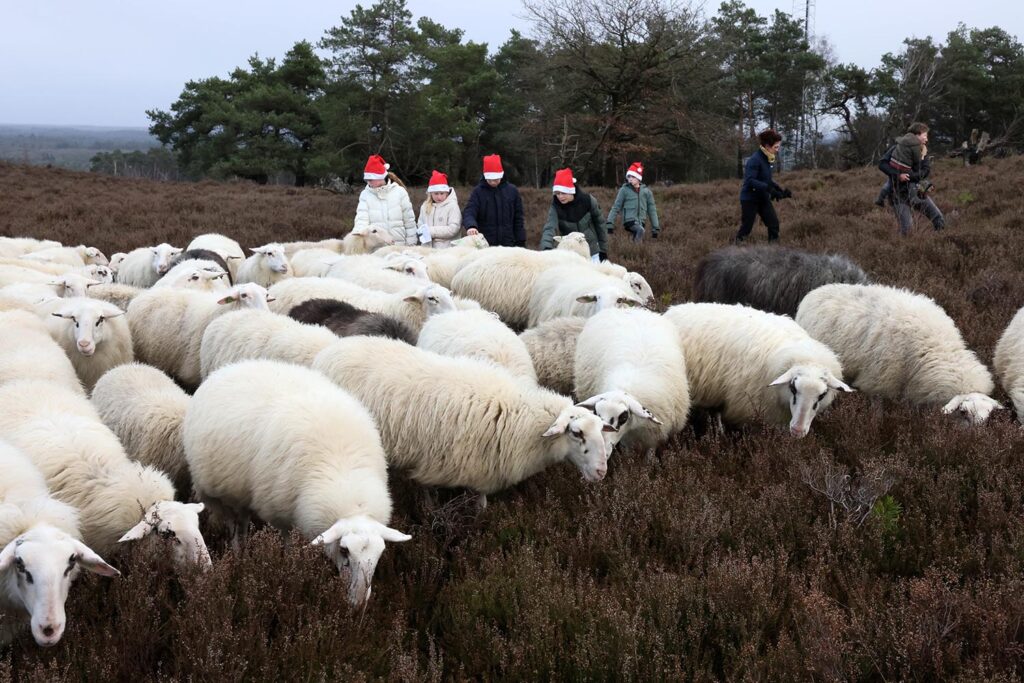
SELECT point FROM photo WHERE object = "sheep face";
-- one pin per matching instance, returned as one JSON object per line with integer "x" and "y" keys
{"x": 40, "y": 566}
{"x": 477, "y": 241}
{"x": 411, "y": 266}
{"x": 93, "y": 256}
{"x": 206, "y": 280}
{"x": 433, "y": 298}
{"x": 273, "y": 257}
{"x": 609, "y": 297}
{"x": 639, "y": 285}
{"x": 247, "y": 295}
{"x": 355, "y": 545}
{"x": 163, "y": 254}
{"x": 973, "y": 408}
{"x": 116, "y": 259}
{"x": 585, "y": 446}
{"x": 72, "y": 284}
{"x": 807, "y": 390}
{"x": 620, "y": 411}
{"x": 374, "y": 236}
{"x": 575, "y": 242}
{"x": 102, "y": 274}
{"x": 177, "y": 524}
{"x": 87, "y": 320}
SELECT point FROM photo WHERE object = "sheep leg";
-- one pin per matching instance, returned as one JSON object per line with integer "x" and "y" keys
{"x": 481, "y": 502}
{"x": 239, "y": 531}
{"x": 651, "y": 456}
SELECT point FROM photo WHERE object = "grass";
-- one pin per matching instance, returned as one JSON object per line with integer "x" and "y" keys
{"x": 719, "y": 561}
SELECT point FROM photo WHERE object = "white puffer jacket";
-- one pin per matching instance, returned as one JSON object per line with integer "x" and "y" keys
{"x": 388, "y": 206}
{"x": 444, "y": 220}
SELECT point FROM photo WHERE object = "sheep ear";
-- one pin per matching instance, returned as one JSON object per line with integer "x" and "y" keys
{"x": 414, "y": 299}
{"x": 393, "y": 535}
{"x": 331, "y": 535}
{"x": 587, "y": 298}
{"x": 397, "y": 267}
{"x": 271, "y": 298}
{"x": 229, "y": 299}
{"x": 559, "y": 426}
{"x": 632, "y": 303}
{"x": 837, "y": 384}
{"x": 137, "y": 532}
{"x": 118, "y": 314}
{"x": 7, "y": 555}
{"x": 195, "y": 507}
{"x": 255, "y": 250}
{"x": 234, "y": 258}
{"x": 782, "y": 379}
{"x": 605, "y": 427}
{"x": 590, "y": 403}
{"x": 558, "y": 238}
{"x": 66, "y": 316}
{"x": 88, "y": 558}
{"x": 361, "y": 230}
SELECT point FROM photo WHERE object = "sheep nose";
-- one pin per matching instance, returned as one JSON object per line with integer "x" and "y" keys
{"x": 48, "y": 631}
{"x": 83, "y": 344}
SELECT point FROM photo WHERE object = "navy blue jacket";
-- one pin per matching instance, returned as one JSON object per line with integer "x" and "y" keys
{"x": 497, "y": 212}
{"x": 757, "y": 178}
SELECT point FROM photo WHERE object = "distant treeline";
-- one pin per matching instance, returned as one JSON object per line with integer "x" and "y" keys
{"x": 601, "y": 83}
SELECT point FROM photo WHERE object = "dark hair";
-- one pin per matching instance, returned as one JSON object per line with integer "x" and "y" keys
{"x": 768, "y": 137}
{"x": 917, "y": 128}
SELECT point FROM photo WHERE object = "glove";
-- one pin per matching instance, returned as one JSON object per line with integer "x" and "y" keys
{"x": 774, "y": 194}
{"x": 786, "y": 194}
{"x": 602, "y": 256}
{"x": 609, "y": 228}
{"x": 655, "y": 234}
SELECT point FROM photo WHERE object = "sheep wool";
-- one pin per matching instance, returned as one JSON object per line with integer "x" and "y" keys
{"x": 552, "y": 347}
{"x": 28, "y": 352}
{"x": 479, "y": 335}
{"x": 1009, "y": 362}
{"x": 93, "y": 334}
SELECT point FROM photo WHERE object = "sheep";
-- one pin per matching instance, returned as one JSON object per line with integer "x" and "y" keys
{"x": 334, "y": 246}
{"x": 93, "y": 334}
{"x": 411, "y": 307}
{"x": 899, "y": 345}
{"x": 477, "y": 241}
{"x": 552, "y": 348}
{"x": 442, "y": 264}
{"x": 246, "y": 335}
{"x": 103, "y": 275}
{"x": 383, "y": 276}
{"x": 576, "y": 290}
{"x": 227, "y": 248}
{"x": 267, "y": 265}
{"x": 460, "y": 422}
{"x": 197, "y": 274}
{"x": 142, "y": 267}
{"x": 206, "y": 255}
{"x": 631, "y": 364}
{"x": 119, "y": 295}
{"x": 287, "y": 444}
{"x": 145, "y": 409}
{"x": 38, "y": 266}
{"x": 167, "y": 325}
{"x": 22, "y": 274}
{"x": 313, "y": 262}
{"x": 770, "y": 278}
{"x": 503, "y": 278}
{"x": 38, "y": 286}
{"x": 366, "y": 239}
{"x": 480, "y": 335}
{"x": 345, "y": 320}
{"x": 1008, "y": 362}
{"x": 733, "y": 353}
{"x": 41, "y": 552}
{"x": 13, "y": 247}
{"x": 118, "y": 500}
{"x": 28, "y": 352}
{"x": 576, "y": 242}
{"x": 75, "y": 257}
{"x": 116, "y": 259}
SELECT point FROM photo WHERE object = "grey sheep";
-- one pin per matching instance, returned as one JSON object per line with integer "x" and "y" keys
{"x": 345, "y": 320}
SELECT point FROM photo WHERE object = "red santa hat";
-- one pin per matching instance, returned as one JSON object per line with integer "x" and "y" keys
{"x": 636, "y": 170}
{"x": 564, "y": 182}
{"x": 376, "y": 168}
{"x": 492, "y": 167}
{"x": 438, "y": 182}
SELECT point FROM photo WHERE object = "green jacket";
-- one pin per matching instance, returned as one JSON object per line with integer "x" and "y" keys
{"x": 635, "y": 205}
{"x": 590, "y": 225}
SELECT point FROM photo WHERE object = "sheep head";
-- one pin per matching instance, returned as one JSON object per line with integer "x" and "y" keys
{"x": 973, "y": 408}
{"x": 355, "y": 544}
{"x": 177, "y": 524}
{"x": 807, "y": 389}
{"x": 584, "y": 444}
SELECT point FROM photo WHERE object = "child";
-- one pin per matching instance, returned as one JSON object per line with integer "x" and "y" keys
{"x": 385, "y": 202}
{"x": 636, "y": 202}
{"x": 440, "y": 218}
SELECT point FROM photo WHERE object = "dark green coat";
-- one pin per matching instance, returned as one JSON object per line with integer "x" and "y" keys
{"x": 591, "y": 225}
{"x": 635, "y": 205}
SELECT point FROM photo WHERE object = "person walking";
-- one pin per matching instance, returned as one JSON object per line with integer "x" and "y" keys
{"x": 495, "y": 208}
{"x": 440, "y": 218}
{"x": 907, "y": 166}
{"x": 385, "y": 202}
{"x": 573, "y": 210}
{"x": 759, "y": 189}
{"x": 636, "y": 203}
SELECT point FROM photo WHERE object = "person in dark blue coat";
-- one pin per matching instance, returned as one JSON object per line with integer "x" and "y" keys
{"x": 759, "y": 189}
{"x": 495, "y": 208}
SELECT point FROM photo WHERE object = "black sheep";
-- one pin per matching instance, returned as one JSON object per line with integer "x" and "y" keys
{"x": 345, "y": 320}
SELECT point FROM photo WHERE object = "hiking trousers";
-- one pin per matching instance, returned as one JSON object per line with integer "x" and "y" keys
{"x": 750, "y": 209}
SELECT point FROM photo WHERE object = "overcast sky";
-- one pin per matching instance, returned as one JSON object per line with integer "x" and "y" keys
{"x": 65, "y": 62}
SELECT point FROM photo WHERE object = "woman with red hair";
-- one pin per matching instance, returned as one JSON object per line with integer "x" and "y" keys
{"x": 759, "y": 189}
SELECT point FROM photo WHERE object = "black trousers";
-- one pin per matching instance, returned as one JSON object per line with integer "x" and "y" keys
{"x": 751, "y": 209}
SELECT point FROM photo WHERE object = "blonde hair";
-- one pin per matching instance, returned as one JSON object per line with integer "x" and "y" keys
{"x": 393, "y": 178}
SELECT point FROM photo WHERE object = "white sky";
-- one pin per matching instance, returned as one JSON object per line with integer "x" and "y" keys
{"x": 74, "y": 62}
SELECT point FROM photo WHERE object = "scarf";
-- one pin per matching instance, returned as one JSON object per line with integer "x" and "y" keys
{"x": 574, "y": 211}
{"x": 768, "y": 153}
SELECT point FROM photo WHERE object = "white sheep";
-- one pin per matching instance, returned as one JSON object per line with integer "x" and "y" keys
{"x": 198, "y": 274}
{"x": 366, "y": 239}
{"x": 442, "y": 264}
{"x": 411, "y": 307}
{"x": 93, "y": 334}
{"x": 480, "y": 335}
{"x": 13, "y": 247}
{"x": 1008, "y": 362}
{"x": 102, "y": 274}
{"x": 552, "y": 348}
{"x": 28, "y": 352}
{"x": 313, "y": 262}
{"x": 144, "y": 266}
{"x": 899, "y": 345}
{"x": 502, "y": 279}
{"x": 461, "y": 422}
{"x": 333, "y": 246}
{"x": 41, "y": 553}
{"x": 750, "y": 364}
{"x": 119, "y": 295}
{"x": 245, "y": 335}
{"x": 391, "y": 275}
{"x": 145, "y": 408}
{"x": 39, "y": 266}
{"x": 576, "y": 291}
{"x": 116, "y": 259}
{"x": 227, "y": 248}
{"x": 86, "y": 467}
{"x": 477, "y": 241}
{"x": 167, "y": 325}
{"x": 575, "y": 242}
{"x": 267, "y": 265}
{"x": 631, "y": 364}
{"x": 76, "y": 257}
{"x": 284, "y": 442}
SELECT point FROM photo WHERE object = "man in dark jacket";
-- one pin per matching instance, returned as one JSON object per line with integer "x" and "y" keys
{"x": 759, "y": 189}
{"x": 495, "y": 208}
{"x": 908, "y": 166}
